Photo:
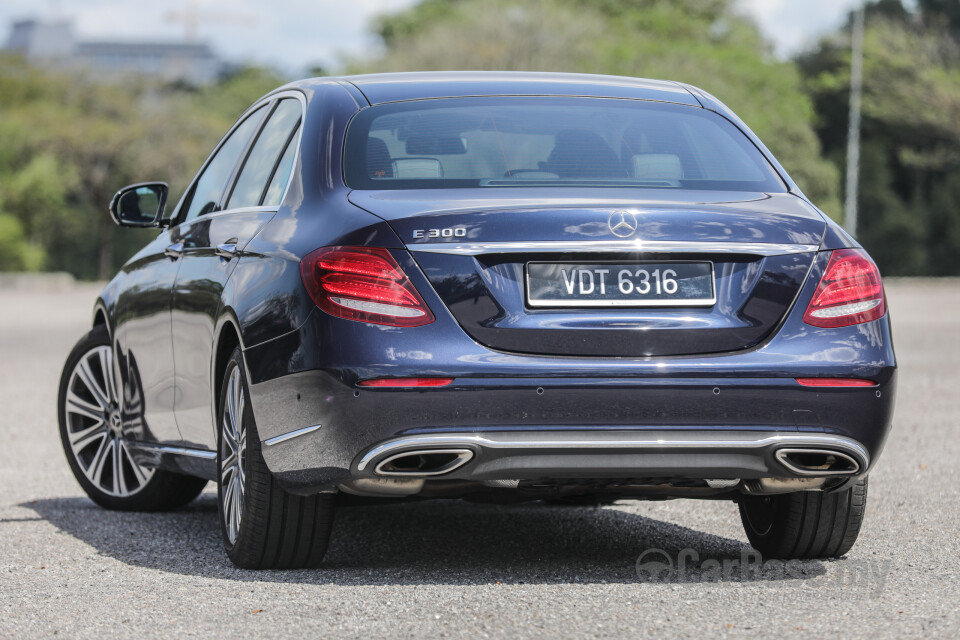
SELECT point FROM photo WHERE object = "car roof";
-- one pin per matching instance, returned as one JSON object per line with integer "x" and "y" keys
{"x": 392, "y": 87}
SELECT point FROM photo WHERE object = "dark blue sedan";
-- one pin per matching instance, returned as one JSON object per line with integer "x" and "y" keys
{"x": 491, "y": 286}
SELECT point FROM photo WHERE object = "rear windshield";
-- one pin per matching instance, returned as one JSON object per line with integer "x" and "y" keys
{"x": 537, "y": 141}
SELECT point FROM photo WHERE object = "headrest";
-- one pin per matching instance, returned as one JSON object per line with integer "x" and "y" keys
{"x": 435, "y": 145}
{"x": 417, "y": 168}
{"x": 657, "y": 166}
{"x": 379, "y": 164}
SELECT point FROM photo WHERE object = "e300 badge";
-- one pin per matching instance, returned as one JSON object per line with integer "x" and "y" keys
{"x": 449, "y": 232}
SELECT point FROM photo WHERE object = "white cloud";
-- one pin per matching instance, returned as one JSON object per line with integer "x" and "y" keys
{"x": 294, "y": 34}
{"x": 794, "y": 25}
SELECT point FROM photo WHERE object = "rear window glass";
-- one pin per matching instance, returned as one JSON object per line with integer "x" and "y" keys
{"x": 519, "y": 141}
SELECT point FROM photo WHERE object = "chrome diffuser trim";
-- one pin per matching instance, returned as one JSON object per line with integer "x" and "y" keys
{"x": 283, "y": 437}
{"x": 596, "y": 246}
{"x": 421, "y": 443}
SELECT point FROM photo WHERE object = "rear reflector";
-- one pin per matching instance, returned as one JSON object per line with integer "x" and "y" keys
{"x": 364, "y": 284}
{"x": 836, "y": 382}
{"x": 850, "y": 292}
{"x": 405, "y": 382}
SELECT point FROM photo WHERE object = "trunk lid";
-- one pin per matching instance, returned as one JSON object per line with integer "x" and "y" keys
{"x": 474, "y": 247}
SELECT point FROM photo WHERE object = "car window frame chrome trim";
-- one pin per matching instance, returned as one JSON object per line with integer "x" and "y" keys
{"x": 274, "y": 101}
{"x": 269, "y": 101}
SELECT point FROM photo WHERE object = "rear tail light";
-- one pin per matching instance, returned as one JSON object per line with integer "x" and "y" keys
{"x": 850, "y": 292}
{"x": 364, "y": 284}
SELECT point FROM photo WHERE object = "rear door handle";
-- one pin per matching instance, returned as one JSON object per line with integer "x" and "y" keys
{"x": 228, "y": 249}
{"x": 174, "y": 250}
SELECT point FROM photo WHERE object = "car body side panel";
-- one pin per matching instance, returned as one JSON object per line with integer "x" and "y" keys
{"x": 266, "y": 293}
{"x": 143, "y": 343}
{"x": 195, "y": 307}
{"x": 836, "y": 237}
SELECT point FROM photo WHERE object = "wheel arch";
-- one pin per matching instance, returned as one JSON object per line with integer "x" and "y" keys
{"x": 228, "y": 337}
{"x": 105, "y": 308}
{"x": 100, "y": 316}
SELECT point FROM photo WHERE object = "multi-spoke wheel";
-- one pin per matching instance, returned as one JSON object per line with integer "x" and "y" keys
{"x": 264, "y": 526}
{"x": 233, "y": 451}
{"x": 92, "y": 433}
{"x": 95, "y": 429}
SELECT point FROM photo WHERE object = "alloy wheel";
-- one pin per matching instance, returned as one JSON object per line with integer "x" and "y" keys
{"x": 233, "y": 449}
{"x": 95, "y": 427}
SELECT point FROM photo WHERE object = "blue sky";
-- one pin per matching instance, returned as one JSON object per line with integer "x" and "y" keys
{"x": 295, "y": 34}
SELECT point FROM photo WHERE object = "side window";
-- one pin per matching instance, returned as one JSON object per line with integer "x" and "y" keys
{"x": 281, "y": 175}
{"x": 206, "y": 191}
{"x": 262, "y": 161}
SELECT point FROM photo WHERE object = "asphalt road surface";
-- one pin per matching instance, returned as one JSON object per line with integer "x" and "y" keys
{"x": 453, "y": 569}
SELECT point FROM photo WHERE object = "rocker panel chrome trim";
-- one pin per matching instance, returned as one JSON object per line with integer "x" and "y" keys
{"x": 179, "y": 451}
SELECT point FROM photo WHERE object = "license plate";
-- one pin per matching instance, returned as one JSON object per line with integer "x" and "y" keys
{"x": 643, "y": 284}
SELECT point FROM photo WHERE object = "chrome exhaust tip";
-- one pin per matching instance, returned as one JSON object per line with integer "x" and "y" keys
{"x": 818, "y": 462}
{"x": 425, "y": 462}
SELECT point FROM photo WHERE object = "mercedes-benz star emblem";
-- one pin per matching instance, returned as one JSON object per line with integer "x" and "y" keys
{"x": 622, "y": 224}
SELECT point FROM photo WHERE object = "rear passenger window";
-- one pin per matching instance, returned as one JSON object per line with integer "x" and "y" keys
{"x": 262, "y": 161}
{"x": 206, "y": 191}
{"x": 281, "y": 174}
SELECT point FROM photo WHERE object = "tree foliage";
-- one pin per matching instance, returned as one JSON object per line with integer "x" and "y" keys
{"x": 702, "y": 42}
{"x": 909, "y": 204}
{"x": 68, "y": 143}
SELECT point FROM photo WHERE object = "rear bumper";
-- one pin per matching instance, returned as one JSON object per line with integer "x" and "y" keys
{"x": 595, "y": 453}
{"x": 307, "y": 381}
{"x": 541, "y": 428}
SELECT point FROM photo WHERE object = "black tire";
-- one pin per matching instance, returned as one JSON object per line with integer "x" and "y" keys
{"x": 807, "y": 524}
{"x": 154, "y": 490}
{"x": 277, "y": 529}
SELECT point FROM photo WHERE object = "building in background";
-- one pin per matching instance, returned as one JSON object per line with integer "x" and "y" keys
{"x": 53, "y": 43}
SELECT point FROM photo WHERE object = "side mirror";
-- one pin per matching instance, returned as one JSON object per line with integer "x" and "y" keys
{"x": 140, "y": 205}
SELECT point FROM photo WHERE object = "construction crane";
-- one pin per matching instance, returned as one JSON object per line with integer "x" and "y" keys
{"x": 192, "y": 16}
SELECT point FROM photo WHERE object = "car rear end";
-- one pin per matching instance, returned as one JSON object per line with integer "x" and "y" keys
{"x": 582, "y": 302}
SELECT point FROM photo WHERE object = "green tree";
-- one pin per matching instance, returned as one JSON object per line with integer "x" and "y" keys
{"x": 16, "y": 252}
{"x": 909, "y": 205}
{"x": 702, "y": 42}
{"x": 67, "y": 143}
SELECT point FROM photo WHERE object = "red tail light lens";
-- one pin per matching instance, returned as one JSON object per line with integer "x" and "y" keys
{"x": 835, "y": 382}
{"x": 850, "y": 292}
{"x": 405, "y": 382}
{"x": 364, "y": 284}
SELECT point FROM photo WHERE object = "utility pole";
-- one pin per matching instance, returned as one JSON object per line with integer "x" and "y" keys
{"x": 191, "y": 17}
{"x": 853, "y": 135}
